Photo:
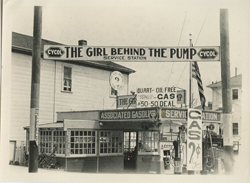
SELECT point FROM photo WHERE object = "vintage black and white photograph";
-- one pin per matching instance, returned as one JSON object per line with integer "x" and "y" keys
{"x": 118, "y": 91}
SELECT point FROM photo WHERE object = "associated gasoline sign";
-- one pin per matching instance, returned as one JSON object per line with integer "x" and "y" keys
{"x": 133, "y": 54}
{"x": 156, "y": 97}
{"x": 194, "y": 140}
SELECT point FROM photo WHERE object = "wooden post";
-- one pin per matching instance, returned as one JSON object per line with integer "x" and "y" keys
{"x": 226, "y": 92}
{"x": 190, "y": 79}
{"x": 35, "y": 90}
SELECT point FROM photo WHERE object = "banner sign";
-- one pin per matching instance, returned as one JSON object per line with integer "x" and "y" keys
{"x": 126, "y": 101}
{"x": 129, "y": 114}
{"x": 181, "y": 114}
{"x": 132, "y": 54}
{"x": 156, "y": 97}
{"x": 194, "y": 140}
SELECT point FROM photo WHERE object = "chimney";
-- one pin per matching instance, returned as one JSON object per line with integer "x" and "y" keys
{"x": 82, "y": 42}
{"x": 235, "y": 71}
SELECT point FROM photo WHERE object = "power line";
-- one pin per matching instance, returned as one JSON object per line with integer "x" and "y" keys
{"x": 195, "y": 43}
{"x": 178, "y": 45}
{"x": 201, "y": 27}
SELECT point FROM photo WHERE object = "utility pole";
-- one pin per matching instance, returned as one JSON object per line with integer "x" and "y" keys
{"x": 190, "y": 78}
{"x": 190, "y": 172}
{"x": 35, "y": 90}
{"x": 226, "y": 93}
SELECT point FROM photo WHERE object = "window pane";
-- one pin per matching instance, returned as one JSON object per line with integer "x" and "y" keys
{"x": 235, "y": 94}
{"x": 110, "y": 139}
{"x": 83, "y": 144}
{"x": 235, "y": 128}
{"x": 67, "y": 72}
{"x": 148, "y": 141}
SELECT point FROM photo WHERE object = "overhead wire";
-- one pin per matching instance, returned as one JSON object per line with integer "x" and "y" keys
{"x": 195, "y": 43}
{"x": 178, "y": 45}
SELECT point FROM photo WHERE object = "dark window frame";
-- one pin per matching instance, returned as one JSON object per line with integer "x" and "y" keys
{"x": 67, "y": 81}
{"x": 235, "y": 128}
{"x": 235, "y": 96}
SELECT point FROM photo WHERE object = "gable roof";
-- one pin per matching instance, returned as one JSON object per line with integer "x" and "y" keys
{"x": 206, "y": 108}
{"x": 23, "y": 44}
{"x": 235, "y": 81}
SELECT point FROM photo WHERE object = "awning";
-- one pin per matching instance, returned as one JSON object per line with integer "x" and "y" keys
{"x": 87, "y": 124}
{"x": 48, "y": 125}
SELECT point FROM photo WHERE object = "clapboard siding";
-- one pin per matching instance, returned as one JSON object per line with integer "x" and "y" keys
{"x": 47, "y": 93}
{"x": 90, "y": 91}
{"x": 20, "y": 95}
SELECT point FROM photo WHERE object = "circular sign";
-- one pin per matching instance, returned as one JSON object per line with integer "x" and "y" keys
{"x": 116, "y": 80}
{"x": 211, "y": 127}
{"x": 182, "y": 128}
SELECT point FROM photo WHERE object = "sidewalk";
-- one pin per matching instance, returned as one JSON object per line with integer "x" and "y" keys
{"x": 16, "y": 173}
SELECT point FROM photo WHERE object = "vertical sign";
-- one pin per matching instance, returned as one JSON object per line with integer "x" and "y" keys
{"x": 194, "y": 140}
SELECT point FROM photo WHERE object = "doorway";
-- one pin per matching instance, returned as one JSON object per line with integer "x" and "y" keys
{"x": 130, "y": 150}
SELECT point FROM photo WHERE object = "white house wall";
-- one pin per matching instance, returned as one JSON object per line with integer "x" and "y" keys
{"x": 236, "y": 106}
{"x": 90, "y": 91}
{"x": 217, "y": 98}
{"x": 20, "y": 95}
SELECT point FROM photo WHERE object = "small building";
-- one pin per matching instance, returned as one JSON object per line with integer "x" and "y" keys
{"x": 236, "y": 99}
{"x": 117, "y": 140}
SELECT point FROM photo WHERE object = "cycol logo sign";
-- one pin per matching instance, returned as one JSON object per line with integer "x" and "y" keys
{"x": 54, "y": 52}
{"x": 208, "y": 53}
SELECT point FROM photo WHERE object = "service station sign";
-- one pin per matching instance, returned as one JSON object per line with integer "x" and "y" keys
{"x": 129, "y": 114}
{"x": 133, "y": 54}
{"x": 182, "y": 114}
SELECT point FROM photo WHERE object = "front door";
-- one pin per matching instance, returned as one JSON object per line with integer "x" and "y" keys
{"x": 130, "y": 153}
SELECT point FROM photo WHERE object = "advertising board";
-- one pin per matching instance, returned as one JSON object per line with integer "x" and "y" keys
{"x": 156, "y": 97}
{"x": 129, "y": 114}
{"x": 194, "y": 140}
{"x": 125, "y": 101}
{"x": 133, "y": 54}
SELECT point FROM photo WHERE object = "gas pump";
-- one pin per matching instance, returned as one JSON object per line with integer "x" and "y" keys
{"x": 177, "y": 152}
{"x": 208, "y": 152}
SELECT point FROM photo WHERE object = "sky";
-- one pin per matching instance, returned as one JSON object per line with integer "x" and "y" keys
{"x": 145, "y": 23}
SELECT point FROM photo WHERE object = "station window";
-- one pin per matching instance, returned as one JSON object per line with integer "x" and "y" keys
{"x": 110, "y": 142}
{"x": 67, "y": 79}
{"x": 129, "y": 141}
{"x": 59, "y": 142}
{"x": 83, "y": 142}
{"x": 235, "y": 94}
{"x": 148, "y": 141}
{"x": 45, "y": 141}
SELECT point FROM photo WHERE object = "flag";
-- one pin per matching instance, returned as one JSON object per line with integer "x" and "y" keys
{"x": 196, "y": 75}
